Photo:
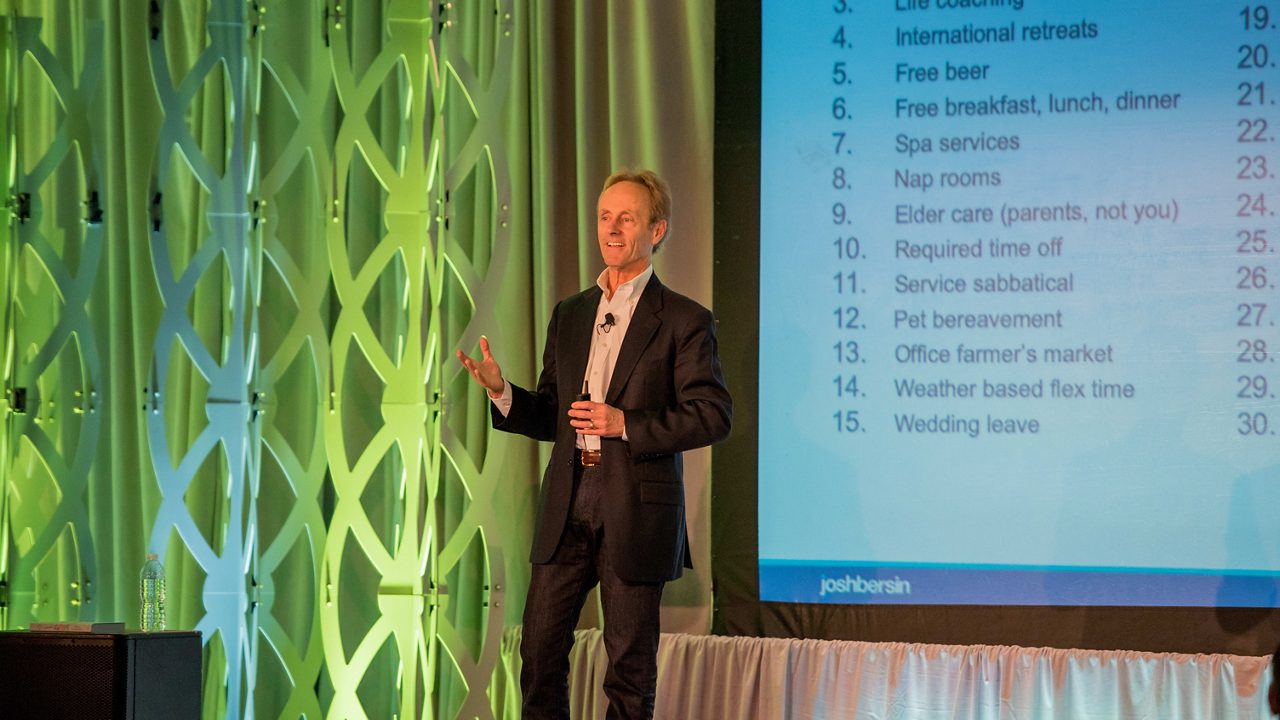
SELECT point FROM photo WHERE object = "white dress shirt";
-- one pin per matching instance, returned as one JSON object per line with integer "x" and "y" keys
{"x": 606, "y": 341}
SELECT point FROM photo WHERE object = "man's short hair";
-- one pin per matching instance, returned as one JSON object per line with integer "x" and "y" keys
{"x": 659, "y": 195}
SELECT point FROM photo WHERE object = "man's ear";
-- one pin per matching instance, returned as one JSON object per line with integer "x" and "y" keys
{"x": 659, "y": 230}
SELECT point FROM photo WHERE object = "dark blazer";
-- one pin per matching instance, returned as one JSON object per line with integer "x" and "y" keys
{"x": 667, "y": 382}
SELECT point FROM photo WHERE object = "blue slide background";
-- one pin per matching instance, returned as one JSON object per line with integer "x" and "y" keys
{"x": 1158, "y": 499}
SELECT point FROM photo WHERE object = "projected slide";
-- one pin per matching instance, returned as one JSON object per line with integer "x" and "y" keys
{"x": 1018, "y": 302}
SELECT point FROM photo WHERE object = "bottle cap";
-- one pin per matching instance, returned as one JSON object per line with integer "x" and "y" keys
{"x": 152, "y": 556}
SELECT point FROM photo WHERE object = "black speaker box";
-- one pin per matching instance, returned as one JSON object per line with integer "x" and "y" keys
{"x": 87, "y": 676}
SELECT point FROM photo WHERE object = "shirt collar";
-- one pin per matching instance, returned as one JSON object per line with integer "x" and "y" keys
{"x": 630, "y": 289}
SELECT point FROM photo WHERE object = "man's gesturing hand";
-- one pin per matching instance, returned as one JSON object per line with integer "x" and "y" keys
{"x": 486, "y": 371}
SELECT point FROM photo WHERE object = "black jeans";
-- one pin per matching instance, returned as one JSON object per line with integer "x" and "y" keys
{"x": 557, "y": 591}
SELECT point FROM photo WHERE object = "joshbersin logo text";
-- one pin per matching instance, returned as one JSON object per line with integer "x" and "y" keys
{"x": 861, "y": 586}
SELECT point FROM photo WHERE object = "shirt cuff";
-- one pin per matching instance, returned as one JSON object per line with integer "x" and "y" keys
{"x": 503, "y": 401}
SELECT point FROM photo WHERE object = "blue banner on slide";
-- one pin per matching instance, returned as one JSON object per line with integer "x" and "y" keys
{"x": 851, "y": 583}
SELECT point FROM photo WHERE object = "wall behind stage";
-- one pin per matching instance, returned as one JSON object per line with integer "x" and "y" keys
{"x": 244, "y": 240}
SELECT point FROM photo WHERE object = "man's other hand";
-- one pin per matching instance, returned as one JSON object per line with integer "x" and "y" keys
{"x": 596, "y": 418}
{"x": 486, "y": 371}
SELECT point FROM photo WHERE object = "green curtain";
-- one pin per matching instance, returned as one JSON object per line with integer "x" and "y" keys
{"x": 523, "y": 109}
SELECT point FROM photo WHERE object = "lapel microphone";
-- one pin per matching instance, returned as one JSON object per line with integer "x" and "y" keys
{"x": 607, "y": 325}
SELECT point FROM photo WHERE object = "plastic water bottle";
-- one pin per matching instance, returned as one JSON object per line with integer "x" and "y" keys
{"x": 151, "y": 590}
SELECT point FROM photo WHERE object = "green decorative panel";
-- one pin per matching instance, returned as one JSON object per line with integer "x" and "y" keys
{"x": 8, "y": 55}
{"x": 478, "y": 45}
{"x": 53, "y": 251}
{"x": 378, "y": 570}
{"x": 316, "y": 197}
{"x": 296, "y": 123}
{"x": 201, "y": 403}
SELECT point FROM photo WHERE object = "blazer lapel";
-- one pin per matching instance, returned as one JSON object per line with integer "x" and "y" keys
{"x": 644, "y": 323}
{"x": 577, "y": 336}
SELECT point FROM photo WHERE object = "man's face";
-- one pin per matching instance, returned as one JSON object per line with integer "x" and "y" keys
{"x": 622, "y": 227}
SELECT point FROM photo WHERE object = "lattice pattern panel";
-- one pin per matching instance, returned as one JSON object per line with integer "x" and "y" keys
{"x": 296, "y": 128}
{"x": 328, "y": 214}
{"x": 52, "y": 358}
{"x": 477, "y": 48}
{"x": 8, "y": 56}
{"x": 202, "y": 414}
{"x": 378, "y": 563}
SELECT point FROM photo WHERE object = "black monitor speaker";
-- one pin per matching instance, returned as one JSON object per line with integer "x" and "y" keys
{"x": 87, "y": 676}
